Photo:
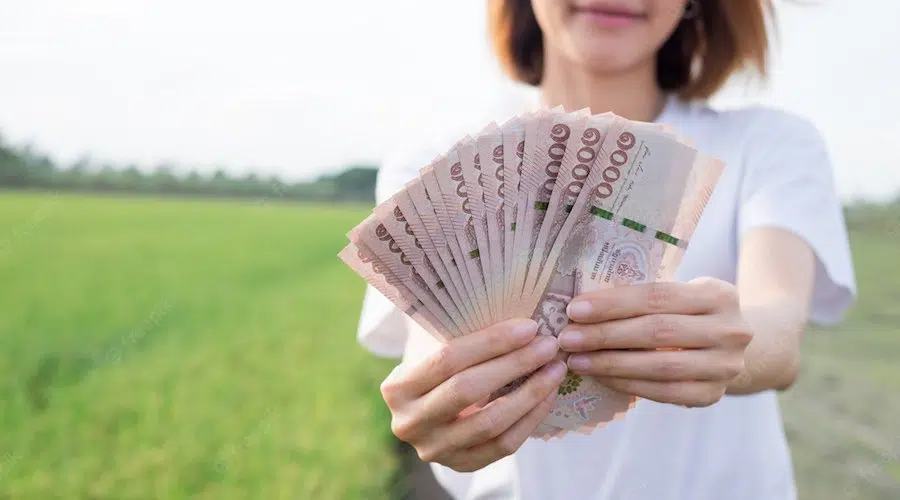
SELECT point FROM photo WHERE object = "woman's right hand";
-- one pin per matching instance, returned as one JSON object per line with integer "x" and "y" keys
{"x": 435, "y": 403}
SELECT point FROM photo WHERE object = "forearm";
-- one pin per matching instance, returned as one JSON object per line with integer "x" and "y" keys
{"x": 775, "y": 281}
{"x": 773, "y": 356}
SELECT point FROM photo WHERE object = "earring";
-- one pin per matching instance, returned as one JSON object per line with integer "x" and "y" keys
{"x": 691, "y": 10}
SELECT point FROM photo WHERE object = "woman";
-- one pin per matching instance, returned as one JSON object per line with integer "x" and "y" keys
{"x": 770, "y": 254}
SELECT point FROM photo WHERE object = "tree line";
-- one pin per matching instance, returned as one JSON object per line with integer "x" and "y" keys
{"x": 24, "y": 167}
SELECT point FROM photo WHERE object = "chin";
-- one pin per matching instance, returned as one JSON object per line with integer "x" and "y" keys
{"x": 605, "y": 51}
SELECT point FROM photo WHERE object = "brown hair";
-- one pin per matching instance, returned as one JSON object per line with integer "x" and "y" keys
{"x": 722, "y": 37}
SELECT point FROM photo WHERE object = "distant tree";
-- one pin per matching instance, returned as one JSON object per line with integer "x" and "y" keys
{"x": 77, "y": 176}
{"x": 252, "y": 187}
{"x": 132, "y": 179}
{"x": 13, "y": 171}
{"x": 220, "y": 184}
{"x": 194, "y": 183}
{"x": 107, "y": 179}
{"x": 39, "y": 168}
{"x": 356, "y": 183}
{"x": 163, "y": 180}
{"x": 25, "y": 166}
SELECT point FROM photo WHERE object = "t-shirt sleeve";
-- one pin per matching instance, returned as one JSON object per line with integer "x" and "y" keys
{"x": 788, "y": 183}
{"x": 382, "y": 327}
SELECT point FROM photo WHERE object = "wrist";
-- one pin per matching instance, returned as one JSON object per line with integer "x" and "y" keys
{"x": 772, "y": 359}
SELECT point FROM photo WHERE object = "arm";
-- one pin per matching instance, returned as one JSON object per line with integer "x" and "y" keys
{"x": 775, "y": 279}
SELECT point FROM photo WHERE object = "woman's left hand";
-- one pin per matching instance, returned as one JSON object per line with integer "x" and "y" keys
{"x": 679, "y": 343}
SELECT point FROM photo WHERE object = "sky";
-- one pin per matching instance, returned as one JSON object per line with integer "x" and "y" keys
{"x": 299, "y": 89}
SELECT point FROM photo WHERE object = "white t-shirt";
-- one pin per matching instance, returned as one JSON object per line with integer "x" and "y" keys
{"x": 777, "y": 174}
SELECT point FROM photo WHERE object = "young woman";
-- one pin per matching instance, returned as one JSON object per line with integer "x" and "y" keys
{"x": 770, "y": 254}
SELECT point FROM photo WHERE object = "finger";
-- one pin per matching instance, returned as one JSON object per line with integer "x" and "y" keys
{"x": 494, "y": 419}
{"x": 499, "y": 415}
{"x": 648, "y": 298}
{"x": 690, "y": 394}
{"x": 509, "y": 441}
{"x": 412, "y": 381}
{"x": 469, "y": 386}
{"x": 651, "y": 331}
{"x": 663, "y": 366}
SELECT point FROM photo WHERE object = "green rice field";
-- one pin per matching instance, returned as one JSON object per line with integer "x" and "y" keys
{"x": 180, "y": 349}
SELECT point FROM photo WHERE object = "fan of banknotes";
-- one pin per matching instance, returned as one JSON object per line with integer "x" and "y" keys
{"x": 517, "y": 219}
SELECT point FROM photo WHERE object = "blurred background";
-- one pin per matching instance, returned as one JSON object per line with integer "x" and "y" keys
{"x": 176, "y": 178}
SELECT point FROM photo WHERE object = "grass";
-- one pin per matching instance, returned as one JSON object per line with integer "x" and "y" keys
{"x": 842, "y": 416}
{"x": 201, "y": 349}
{"x": 183, "y": 349}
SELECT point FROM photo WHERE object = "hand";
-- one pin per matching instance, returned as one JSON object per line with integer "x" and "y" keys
{"x": 688, "y": 340}
{"x": 437, "y": 405}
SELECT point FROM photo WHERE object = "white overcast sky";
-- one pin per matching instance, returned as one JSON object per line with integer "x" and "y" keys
{"x": 299, "y": 88}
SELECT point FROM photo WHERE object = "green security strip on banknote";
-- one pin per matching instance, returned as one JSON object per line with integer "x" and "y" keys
{"x": 637, "y": 226}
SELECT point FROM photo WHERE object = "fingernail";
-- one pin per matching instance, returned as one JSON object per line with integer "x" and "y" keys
{"x": 546, "y": 346}
{"x": 578, "y": 362}
{"x": 524, "y": 329}
{"x": 557, "y": 370}
{"x": 570, "y": 339}
{"x": 579, "y": 309}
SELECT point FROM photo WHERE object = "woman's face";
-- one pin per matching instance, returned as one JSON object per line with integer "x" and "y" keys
{"x": 608, "y": 36}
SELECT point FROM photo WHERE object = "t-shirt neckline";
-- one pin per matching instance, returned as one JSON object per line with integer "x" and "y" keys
{"x": 670, "y": 108}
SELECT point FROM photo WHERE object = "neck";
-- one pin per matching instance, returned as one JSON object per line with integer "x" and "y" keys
{"x": 632, "y": 94}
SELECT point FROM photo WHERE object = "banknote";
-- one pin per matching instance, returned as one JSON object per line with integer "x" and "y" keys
{"x": 470, "y": 167}
{"x": 459, "y": 209}
{"x": 460, "y": 259}
{"x": 364, "y": 262}
{"x": 552, "y": 137}
{"x": 372, "y": 234}
{"x": 490, "y": 154}
{"x": 419, "y": 214}
{"x": 568, "y": 187}
{"x": 514, "y": 152}
{"x": 395, "y": 222}
{"x": 553, "y": 205}
{"x": 522, "y": 237}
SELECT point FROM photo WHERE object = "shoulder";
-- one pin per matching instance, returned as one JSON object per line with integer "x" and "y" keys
{"x": 756, "y": 127}
{"x": 760, "y": 141}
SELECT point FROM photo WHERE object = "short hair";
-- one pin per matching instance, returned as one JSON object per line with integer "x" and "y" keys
{"x": 721, "y": 38}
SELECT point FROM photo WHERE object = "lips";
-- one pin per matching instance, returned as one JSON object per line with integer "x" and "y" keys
{"x": 609, "y": 10}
